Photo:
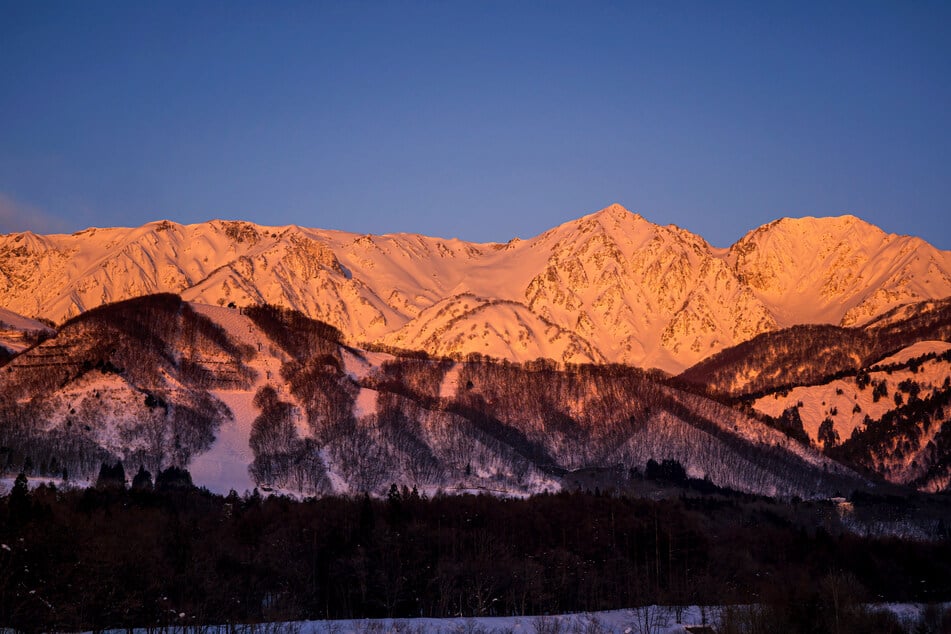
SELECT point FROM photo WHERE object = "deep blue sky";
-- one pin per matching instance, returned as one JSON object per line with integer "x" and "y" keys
{"x": 478, "y": 120}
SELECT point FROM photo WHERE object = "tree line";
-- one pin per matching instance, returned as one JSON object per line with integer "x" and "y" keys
{"x": 175, "y": 555}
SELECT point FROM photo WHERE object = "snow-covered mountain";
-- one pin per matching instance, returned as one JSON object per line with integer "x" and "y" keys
{"x": 837, "y": 270}
{"x": 267, "y": 397}
{"x": 608, "y": 287}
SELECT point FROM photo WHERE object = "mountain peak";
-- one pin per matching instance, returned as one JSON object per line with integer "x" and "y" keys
{"x": 807, "y": 236}
{"x": 615, "y": 209}
{"x": 609, "y": 220}
{"x": 616, "y": 212}
{"x": 837, "y": 269}
{"x": 820, "y": 222}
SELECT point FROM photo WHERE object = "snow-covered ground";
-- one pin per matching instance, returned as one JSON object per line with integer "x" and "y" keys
{"x": 650, "y": 619}
{"x": 6, "y": 484}
{"x": 359, "y": 365}
{"x": 15, "y": 321}
{"x": 365, "y": 404}
{"x": 645, "y": 620}
{"x": 916, "y": 350}
{"x": 225, "y": 465}
{"x": 450, "y": 382}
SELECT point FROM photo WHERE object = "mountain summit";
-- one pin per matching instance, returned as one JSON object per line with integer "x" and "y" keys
{"x": 839, "y": 270}
{"x": 607, "y": 287}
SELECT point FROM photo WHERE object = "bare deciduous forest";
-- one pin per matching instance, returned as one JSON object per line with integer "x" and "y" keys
{"x": 111, "y": 557}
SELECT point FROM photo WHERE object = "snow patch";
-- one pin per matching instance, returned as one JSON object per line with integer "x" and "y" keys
{"x": 450, "y": 382}
{"x": 842, "y": 401}
{"x": 225, "y": 465}
{"x": 365, "y": 404}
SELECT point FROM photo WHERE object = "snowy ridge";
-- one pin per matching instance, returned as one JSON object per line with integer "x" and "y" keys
{"x": 608, "y": 287}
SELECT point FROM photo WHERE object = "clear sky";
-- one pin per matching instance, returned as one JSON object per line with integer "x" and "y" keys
{"x": 475, "y": 119}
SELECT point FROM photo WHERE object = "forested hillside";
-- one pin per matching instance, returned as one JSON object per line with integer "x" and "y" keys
{"x": 111, "y": 558}
{"x": 874, "y": 398}
{"x": 805, "y": 355}
{"x": 157, "y": 382}
{"x": 128, "y": 380}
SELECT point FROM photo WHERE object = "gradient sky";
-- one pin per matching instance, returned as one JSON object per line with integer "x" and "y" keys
{"x": 478, "y": 120}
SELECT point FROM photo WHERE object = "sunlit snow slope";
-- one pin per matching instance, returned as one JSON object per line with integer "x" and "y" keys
{"x": 608, "y": 287}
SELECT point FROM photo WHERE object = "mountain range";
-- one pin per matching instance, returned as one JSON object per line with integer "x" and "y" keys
{"x": 610, "y": 287}
{"x": 809, "y": 359}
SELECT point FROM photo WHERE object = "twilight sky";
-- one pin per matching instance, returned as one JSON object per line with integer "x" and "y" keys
{"x": 475, "y": 119}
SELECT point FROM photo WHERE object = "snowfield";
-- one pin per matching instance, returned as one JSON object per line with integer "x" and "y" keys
{"x": 645, "y": 620}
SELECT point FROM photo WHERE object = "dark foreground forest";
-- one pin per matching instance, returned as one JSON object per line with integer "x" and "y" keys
{"x": 112, "y": 557}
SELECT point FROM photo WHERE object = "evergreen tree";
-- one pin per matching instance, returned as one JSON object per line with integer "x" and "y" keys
{"x": 174, "y": 478}
{"x": 394, "y": 504}
{"x": 393, "y": 497}
{"x": 142, "y": 480}
{"x": 20, "y": 499}
{"x": 668, "y": 470}
{"x": 367, "y": 519}
{"x": 111, "y": 477}
{"x": 827, "y": 434}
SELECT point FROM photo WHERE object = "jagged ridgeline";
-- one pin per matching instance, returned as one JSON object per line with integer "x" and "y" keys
{"x": 125, "y": 381}
{"x": 146, "y": 381}
{"x": 607, "y": 287}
